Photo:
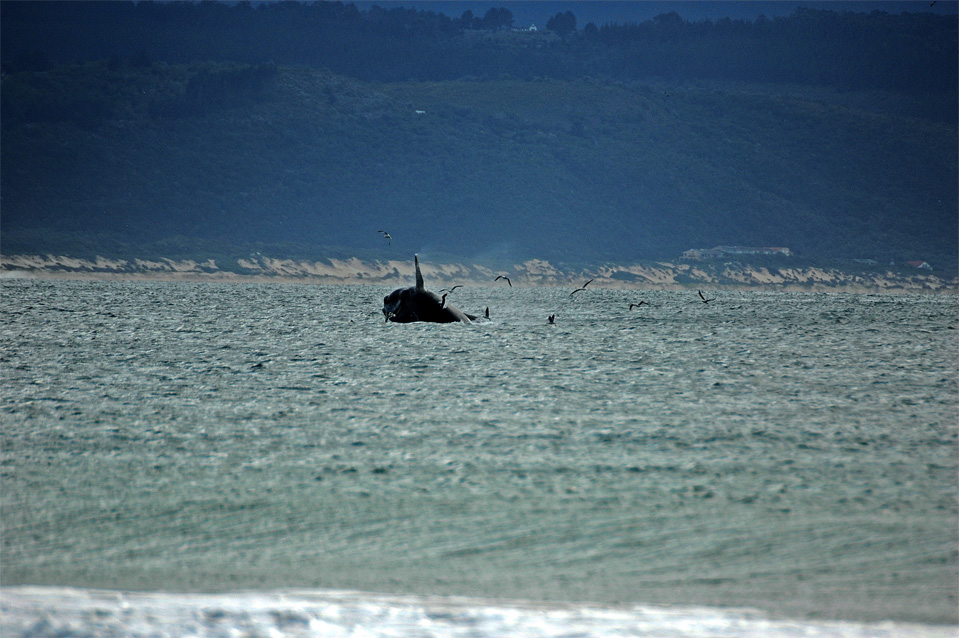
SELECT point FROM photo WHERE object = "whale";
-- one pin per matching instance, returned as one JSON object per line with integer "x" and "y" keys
{"x": 416, "y": 303}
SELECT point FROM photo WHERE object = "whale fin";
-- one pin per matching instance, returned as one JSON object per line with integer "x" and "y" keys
{"x": 420, "y": 286}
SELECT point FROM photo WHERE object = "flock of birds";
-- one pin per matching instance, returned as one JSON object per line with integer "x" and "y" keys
{"x": 552, "y": 318}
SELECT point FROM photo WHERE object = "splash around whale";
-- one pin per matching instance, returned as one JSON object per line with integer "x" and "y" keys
{"x": 406, "y": 305}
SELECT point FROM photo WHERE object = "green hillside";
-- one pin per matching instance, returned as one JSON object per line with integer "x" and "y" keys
{"x": 191, "y": 160}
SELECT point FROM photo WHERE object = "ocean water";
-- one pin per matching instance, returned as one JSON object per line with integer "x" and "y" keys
{"x": 214, "y": 459}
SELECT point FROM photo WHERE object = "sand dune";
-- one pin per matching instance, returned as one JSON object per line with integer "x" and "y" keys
{"x": 535, "y": 272}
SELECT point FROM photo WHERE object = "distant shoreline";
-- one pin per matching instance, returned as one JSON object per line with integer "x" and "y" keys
{"x": 531, "y": 273}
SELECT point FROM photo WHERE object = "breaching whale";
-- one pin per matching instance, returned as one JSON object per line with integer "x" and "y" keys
{"x": 405, "y": 305}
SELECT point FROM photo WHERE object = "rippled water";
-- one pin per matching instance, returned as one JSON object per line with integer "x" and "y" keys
{"x": 795, "y": 453}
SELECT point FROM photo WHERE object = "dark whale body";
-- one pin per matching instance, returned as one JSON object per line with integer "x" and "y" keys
{"x": 406, "y": 305}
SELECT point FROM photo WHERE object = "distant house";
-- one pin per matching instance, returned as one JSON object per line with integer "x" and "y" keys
{"x": 919, "y": 264}
{"x": 697, "y": 254}
{"x": 723, "y": 251}
{"x": 750, "y": 250}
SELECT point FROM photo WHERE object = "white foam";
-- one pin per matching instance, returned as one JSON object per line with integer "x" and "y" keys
{"x": 57, "y": 611}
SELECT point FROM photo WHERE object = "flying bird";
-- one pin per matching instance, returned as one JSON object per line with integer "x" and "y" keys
{"x": 703, "y": 297}
{"x": 578, "y": 289}
{"x": 506, "y": 278}
{"x": 551, "y": 318}
{"x": 452, "y": 289}
{"x": 386, "y": 236}
{"x": 641, "y": 303}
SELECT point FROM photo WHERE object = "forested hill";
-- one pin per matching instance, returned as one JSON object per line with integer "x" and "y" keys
{"x": 912, "y": 53}
{"x": 143, "y": 151}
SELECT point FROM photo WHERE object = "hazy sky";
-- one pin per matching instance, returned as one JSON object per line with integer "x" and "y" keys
{"x": 603, "y": 11}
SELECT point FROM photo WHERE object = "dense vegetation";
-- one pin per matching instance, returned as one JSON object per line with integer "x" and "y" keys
{"x": 914, "y": 53}
{"x": 612, "y": 143}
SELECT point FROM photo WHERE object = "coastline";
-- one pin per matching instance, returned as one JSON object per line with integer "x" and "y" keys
{"x": 534, "y": 272}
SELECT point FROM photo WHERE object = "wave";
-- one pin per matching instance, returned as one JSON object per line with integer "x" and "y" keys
{"x": 64, "y": 611}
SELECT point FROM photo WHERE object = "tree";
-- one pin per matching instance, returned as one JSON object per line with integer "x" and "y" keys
{"x": 673, "y": 19}
{"x": 562, "y": 24}
{"x": 495, "y": 19}
{"x": 468, "y": 20}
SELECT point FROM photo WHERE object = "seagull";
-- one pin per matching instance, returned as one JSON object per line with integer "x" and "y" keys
{"x": 386, "y": 236}
{"x": 637, "y": 304}
{"x": 452, "y": 289}
{"x": 506, "y": 278}
{"x": 701, "y": 296}
{"x": 551, "y": 318}
{"x": 578, "y": 289}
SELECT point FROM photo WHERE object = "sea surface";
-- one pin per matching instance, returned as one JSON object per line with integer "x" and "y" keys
{"x": 275, "y": 459}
